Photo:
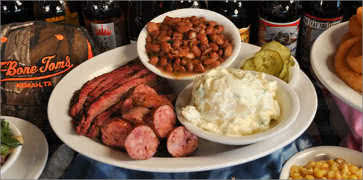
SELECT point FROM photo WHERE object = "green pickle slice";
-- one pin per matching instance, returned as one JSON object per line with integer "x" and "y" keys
{"x": 268, "y": 61}
{"x": 281, "y": 49}
{"x": 249, "y": 64}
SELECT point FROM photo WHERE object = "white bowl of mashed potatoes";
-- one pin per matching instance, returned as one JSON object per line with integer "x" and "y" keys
{"x": 237, "y": 107}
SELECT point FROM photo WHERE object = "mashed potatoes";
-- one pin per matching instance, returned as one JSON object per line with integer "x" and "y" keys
{"x": 232, "y": 102}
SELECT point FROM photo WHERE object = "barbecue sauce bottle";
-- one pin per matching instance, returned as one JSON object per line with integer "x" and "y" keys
{"x": 141, "y": 12}
{"x": 50, "y": 11}
{"x": 279, "y": 21}
{"x": 238, "y": 14}
{"x": 105, "y": 21}
{"x": 318, "y": 16}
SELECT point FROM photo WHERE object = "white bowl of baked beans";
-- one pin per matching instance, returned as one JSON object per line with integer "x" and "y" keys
{"x": 184, "y": 43}
{"x": 324, "y": 162}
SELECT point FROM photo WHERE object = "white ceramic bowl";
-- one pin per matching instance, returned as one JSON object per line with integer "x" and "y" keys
{"x": 230, "y": 30}
{"x": 294, "y": 71}
{"x": 15, "y": 154}
{"x": 321, "y": 153}
{"x": 289, "y": 105}
{"x": 322, "y": 62}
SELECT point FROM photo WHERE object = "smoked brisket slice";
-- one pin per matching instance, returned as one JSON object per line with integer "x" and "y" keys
{"x": 108, "y": 99}
{"x": 89, "y": 87}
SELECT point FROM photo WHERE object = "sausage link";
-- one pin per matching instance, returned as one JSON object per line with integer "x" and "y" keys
{"x": 169, "y": 68}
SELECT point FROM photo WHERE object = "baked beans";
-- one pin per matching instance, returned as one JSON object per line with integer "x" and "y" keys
{"x": 186, "y": 45}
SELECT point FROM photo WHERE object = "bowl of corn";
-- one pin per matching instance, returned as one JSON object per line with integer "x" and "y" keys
{"x": 324, "y": 162}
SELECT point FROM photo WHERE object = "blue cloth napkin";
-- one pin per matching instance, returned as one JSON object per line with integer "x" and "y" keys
{"x": 267, "y": 167}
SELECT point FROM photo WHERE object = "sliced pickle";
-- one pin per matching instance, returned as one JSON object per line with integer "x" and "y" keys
{"x": 268, "y": 61}
{"x": 249, "y": 65}
{"x": 281, "y": 49}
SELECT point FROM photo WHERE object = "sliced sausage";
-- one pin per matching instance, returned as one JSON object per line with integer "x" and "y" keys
{"x": 181, "y": 142}
{"x": 141, "y": 143}
{"x": 114, "y": 133}
{"x": 136, "y": 114}
{"x": 163, "y": 120}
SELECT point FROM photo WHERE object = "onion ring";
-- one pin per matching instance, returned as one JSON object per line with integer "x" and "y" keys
{"x": 351, "y": 78}
{"x": 354, "y": 57}
{"x": 354, "y": 27}
{"x": 359, "y": 15}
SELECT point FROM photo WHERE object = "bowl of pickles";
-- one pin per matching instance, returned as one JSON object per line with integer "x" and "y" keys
{"x": 275, "y": 59}
{"x": 11, "y": 144}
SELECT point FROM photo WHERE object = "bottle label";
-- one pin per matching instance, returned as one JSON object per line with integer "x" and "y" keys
{"x": 104, "y": 35}
{"x": 312, "y": 27}
{"x": 245, "y": 34}
{"x": 285, "y": 33}
{"x": 57, "y": 19}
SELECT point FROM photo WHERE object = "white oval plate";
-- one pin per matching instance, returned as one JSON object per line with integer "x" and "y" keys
{"x": 322, "y": 62}
{"x": 33, "y": 157}
{"x": 208, "y": 156}
{"x": 313, "y": 154}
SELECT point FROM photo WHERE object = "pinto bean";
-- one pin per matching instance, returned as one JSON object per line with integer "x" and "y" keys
{"x": 164, "y": 27}
{"x": 190, "y": 55}
{"x": 213, "y": 64}
{"x": 179, "y": 68}
{"x": 207, "y": 51}
{"x": 164, "y": 38}
{"x": 219, "y": 40}
{"x": 177, "y": 43}
{"x": 148, "y": 39}
{"x": 152, "y": 27}
{"x": 214, "y": 55}
{"x": 213, "y": 37}
{"x": 183, "y": 52}
{"x": 155, "y": 47}
{"x": 190, "y": 66}
{"x": 163, "y": 33}
{"x": 184, "y": 62}
{"x": 177, "y": 61}
{"x": 209, "y": 30}
{"x": 183, "y": 27}
{"x": 169, "y": 68}
{"x": 214, "y": 46}
{"x": 212, "y": 23}
{"x": 198, "y": 67}
{"x": 166, "y": 47}
{"x": 196, "y": 51}
{"x": 228, "y": 51}
{"x": 218, "y": 29}
{"x": 177, "y": 35}
{"x": 154, "y": 60}
{"x": 220, "y": 52}
{"x": 209, "y": 60}
{"x": 163, "y": 61}
{"x": 192, "y": 35}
